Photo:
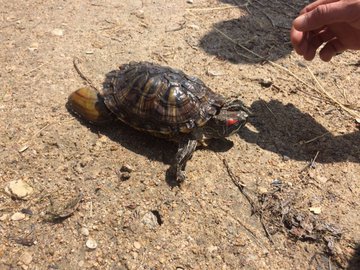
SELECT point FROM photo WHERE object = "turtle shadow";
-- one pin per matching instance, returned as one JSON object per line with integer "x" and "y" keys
{"x": 151, "y": 147}
{"x": 138, "y": 142}
{"x": 289, "y": 132}
{"x": 263, "y": 30}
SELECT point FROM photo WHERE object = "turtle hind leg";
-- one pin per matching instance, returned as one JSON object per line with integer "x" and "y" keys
{"x": 184, "y": 153}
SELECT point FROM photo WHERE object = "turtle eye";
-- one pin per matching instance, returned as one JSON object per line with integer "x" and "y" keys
{"x": 231, "y": 121}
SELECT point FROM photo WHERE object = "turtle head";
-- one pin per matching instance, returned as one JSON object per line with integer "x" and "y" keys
{"x": 231, "y": 117}
{"x": 88, "y": 104}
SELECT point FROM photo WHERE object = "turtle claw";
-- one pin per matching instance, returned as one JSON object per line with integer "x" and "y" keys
{"x": 180, "y": 177}
{"x": 175, "y": 177}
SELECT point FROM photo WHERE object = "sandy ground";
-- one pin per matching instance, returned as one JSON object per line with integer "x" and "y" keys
{"x": 297, "y": 159}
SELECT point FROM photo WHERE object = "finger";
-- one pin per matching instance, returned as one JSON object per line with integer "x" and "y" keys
{"x": 330, "y": 49}
{"x": 296, "y": 37}
{"x": 315, "y": 4}
{"x": 315, "y": 40}
{"x": 300, "y": 41}
{"x": 322, "y": 15}
{"x": 325, "y": 35}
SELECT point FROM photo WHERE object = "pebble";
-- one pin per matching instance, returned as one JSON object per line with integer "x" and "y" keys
{"x": 139, "y": 13}
{"x": 125, "y": 176}
{"x": 135, "y": 255}
{"x": 193, "y": 26}
{"x": 4, "y": 217}
{"x": 150, "y": 220}
{"x": 211, "y": 249}
{"x": 57, "y": 32}
{"x": 91, "y": 243}
{"x": 265, "y": 82}
{"x": 286, "y": 158}
{"x": 321, "y": 179}
{"x": 26, "y": 258}
{"x": 33, "y": 46}
{"x": 262, "y": 190}
{"x": 126, "y": 168}
{"x": 84, "y": 231}
{"x": 18, "y": 216}
{"x": 214, "y": 73}
{"x": 137, "y": 245}
{"x": 19, "y": 189}
{"x": 315, "y": 210}
{"x": 27, "y": 211}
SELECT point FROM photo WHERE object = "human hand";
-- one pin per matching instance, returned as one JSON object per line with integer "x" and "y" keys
{"x": 335, "y": 23}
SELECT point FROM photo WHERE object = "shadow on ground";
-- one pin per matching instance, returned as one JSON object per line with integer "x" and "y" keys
{"x": 264, "y": 30}
{"x": 354, "y": 263}
{"x": 285, "y": 130}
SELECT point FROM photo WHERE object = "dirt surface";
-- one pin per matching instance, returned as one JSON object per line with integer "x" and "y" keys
{"x": 297, "y": 160}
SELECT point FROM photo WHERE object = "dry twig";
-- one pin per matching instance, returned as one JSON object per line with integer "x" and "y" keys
{"x": 212, "y": 8}
{"x": 29, "y": 142}
{"x": 321, "y": 90}
{"x": 254, "y": 208}
{"x": 76, "y": 61}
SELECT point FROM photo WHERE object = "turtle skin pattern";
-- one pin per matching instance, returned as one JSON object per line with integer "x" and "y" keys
{"x": 160, "y": 100}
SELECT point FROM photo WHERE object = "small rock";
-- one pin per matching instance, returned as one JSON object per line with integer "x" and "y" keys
{"x": 126, "y": 168}
{"x": 57, "y": 32}
{"x": 91, "y": 243}
{"x": 19, "y": 189}
{"x": 18, "y": 216}
{"x": 321, "y": 179}
{"x": 315, "y": 210}
{"x": 211, "y": 249}
{"x": 27, "y": 211}
{"x": 214, "y": 73}
{"x": 276, "y": 183}
{"x": 190, "y": 1}
{"x": 84, "y": 231}
{"x": 150, "y": 220}
{"x": 135, "y": 255}
{"x": 137, "y": 245}
{"x": 286, "y": 158}
{"x": 193, "y": 26}
{"x": 265, "y": 82}
{"x": 33, "y": 46}
{"x": 139, "y": 13}
{"x": 124, "y": 176}
{"x": 26, "y": 258}
{"x": 262, "y": 190}
{"x": 4, "y": 217}
{"x": 124, "y": 172}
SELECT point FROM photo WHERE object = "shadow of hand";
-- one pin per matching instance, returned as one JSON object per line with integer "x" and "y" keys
{"x": 286, "y": 130}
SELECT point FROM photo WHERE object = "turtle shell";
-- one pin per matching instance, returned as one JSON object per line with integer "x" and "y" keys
{"x": 161, "y": 100}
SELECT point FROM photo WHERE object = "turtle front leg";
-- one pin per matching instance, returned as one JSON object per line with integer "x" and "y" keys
{"x": 184, "y": 153}
{"x": 237, "y": 105}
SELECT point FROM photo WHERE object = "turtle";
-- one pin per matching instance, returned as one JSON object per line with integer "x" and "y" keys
{"x": 164, "y": 102}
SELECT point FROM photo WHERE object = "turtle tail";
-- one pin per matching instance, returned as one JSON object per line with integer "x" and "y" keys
{"x": 88, "y": 104}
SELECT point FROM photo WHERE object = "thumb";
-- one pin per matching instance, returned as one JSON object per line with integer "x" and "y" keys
{"x": 322, "y": 15}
